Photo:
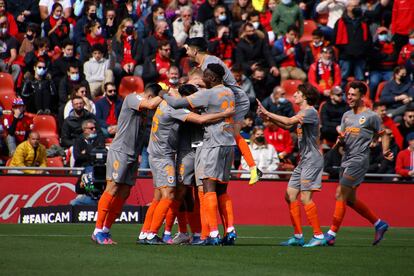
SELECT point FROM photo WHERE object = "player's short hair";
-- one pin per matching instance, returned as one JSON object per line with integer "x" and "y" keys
{"x": 361, "y": 86}
{"x": 217, "y": 69}
{"x": 199, "y": 43}
{"x": 310, "y": 92}
{"x": 153, "y": 88}
{"x": 187, "y": 89}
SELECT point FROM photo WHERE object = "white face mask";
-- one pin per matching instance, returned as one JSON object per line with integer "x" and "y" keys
{"x": 286, "y": 2}
{"x": 411, "y": 41}
{"x": 318, "y": 44}
{"x": 256, "y": 25}
{"x": 382, "y": 37}
{"x": 98, "y": 32}
{"x": 173, "y": 80}
{"x": 3, "y": 31}
{"x": 282, "y": 100}
{"x": 160, "y": 17}
{"x": 57, "y": 17}
{"x": 325, "y": 61}
{"x": 222, "y": 17}
{"x": 41, "y": 71}
{"x": 74, "y": 77}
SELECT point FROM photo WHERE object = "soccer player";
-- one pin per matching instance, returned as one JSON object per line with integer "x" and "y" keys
{"x": 359, "y": 127}
{"x": 122, "y": 161}
{"x": 196, "y": 50}
{"x": 214, "y": 157}
{"x": 307, "y": 176}
{"x": 162, "y": 154}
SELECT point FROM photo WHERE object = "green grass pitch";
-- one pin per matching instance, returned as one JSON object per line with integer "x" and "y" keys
{"x": 58, "y": 249}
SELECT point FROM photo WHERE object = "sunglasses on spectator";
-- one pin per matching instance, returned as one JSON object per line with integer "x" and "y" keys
{"x": 111, "y": 90}
{"x": 41, "y": 67}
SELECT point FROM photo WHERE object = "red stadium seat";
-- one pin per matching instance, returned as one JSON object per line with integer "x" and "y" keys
{"x": 130, "y": 84}
{"x": 308, "y": 27}
{"x": 46, "y": 125}
{"x": 49, "y": 141}
{"x": 6, "y": 82}
{"x": 379, "y": 90}
{"x": 290, "y": 86}
{"x": 6, "y": 99}
{"x": 55, "y": 162}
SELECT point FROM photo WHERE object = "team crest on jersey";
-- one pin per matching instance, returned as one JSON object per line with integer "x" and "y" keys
{"x": 362, "y": 120}
{"x": 115, "y": 165}
{"x": 170, "y": 179}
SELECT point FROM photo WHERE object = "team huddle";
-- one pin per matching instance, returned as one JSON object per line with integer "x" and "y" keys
{"x": 190, "y": 151}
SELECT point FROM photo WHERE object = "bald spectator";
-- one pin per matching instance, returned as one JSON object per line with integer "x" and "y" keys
{"x": 29, "y": 153}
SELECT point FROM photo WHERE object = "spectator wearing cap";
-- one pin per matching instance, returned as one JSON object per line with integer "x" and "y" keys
{"x": 397, "y": 93}
{"x": 108, "y": 109}
{"x": 407, "y": 49}
{"x": 331, "y": 114}
{"x": 17, "y": 124}
{"x": 185, "y": 27}
{"x": 405, "y": 160}
{"x": 314, "y": 49}
{"x": 288, "y": 54}
{"x": 325, "y": 73}
{"x": 286, "y": 14}
{"x": 253, "y": 51}
{"x": 382, "y": 60}
{"x": 8, "y": 53}
{"x": 56, "y": 26}
{"x": 353, "y": 40}
{"x": 38, "y": 90}
{"x": 29, "y": 153}
{"x": 98, "y": 71}
{"x": 156, "y": 66}
{"x": 407, "y": 124}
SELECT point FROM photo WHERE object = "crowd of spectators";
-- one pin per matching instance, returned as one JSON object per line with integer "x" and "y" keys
{"x": 67, "y": 59}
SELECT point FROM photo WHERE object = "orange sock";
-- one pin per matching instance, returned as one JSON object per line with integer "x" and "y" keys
{"x": 294, "y": 210}
{"x": 245, "y": 150}
{"x": 205, "y": 230}
{"x": 312, "y": 214}
{"x": 364, "y": 211}
{"x": 210, "y": 200}
{"x": 104, "y": 205}
{"x": 193, "y": 217}
{"x": 159, "y": 214}
{"x": 339, "y": 214}
{"x": 148, "y": 216}
{"x": 182, "y": 222}
{"x": 226, "y": 207}
{"x": 171, "y": 215}
{"x": 114, "y": 211}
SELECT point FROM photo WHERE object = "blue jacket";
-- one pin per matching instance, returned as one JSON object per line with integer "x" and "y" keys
{"x": 102, "y": 110}
{"x": 392, "y": 89}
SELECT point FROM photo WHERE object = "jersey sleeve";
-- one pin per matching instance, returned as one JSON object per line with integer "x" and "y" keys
{"x": 310, "y": 116}
{"x": 180, "y": 114}
{"x": 199, "y": 99}
{"x": 342, "y": 127}
{"x": 134, "y": 102}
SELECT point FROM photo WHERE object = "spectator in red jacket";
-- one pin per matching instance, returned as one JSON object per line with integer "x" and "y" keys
{"x": 314, "y": 49}
{"x": 222, "y": 45}
{"x": 280, "y": 138}
{"x": 405, "y": 160}
{"x": 17, "y": 124}
{"x": 388, "y": 122}
{"x": 12, "y": 25}
{"x": 406, "y": 50}
{"x": 324, "y": 74}
{"x": 402, "y": 21}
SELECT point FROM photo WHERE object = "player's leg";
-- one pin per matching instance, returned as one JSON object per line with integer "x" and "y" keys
{"x": 291, "y": 198}
{"x": 173, "y": 212}
{"x": 148, "y": 217}
{"x": 311, "y": 211}
{"x": 226, "y": 210}
{"x": 193, "y": 214}
{"x": 211, "y": 204}
{"x": 205, "y": 229}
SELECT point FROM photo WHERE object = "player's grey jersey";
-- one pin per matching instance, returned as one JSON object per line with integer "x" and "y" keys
{"x": 189, "y": 133}
{"x": 228, "y": 79}
{"x": 130, "y": 126}
{"x": 164, "y": 123}
{"x": 216, "y": 99}
{"x": 359, "y": 129}
{"x": 308, "y": 137}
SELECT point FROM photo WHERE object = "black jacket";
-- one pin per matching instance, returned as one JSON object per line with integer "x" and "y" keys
{"x": 136, "y": 49}
{"x": 81, "y": 144}
{"x": 60, "y": 67}
{"x": 151, "y": 46}
{"x": 249, "y": 53}
{"x": 72, "y": 128}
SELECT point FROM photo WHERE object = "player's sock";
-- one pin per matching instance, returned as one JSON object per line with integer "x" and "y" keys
{"x": 106, "y": 229}
{"x": 245, "y": 151}
{"x": 159, "y": 214}
{"x": 182, "y": 222}
{"x": 104, "y": 206}
{"x": 294, "y": 210}
{"x": 226, "y": 207}
{"x": 339, "y": 214}
{"x": 205, "y": 230}
{"x": 149, "y": 215}
{"x": 193, "y": 218}
{"x": 364, "y": 211}
{"x": 97, "y": 230}
{"x": 115, "y": 211}
{"x": 171, "y": 215}
{"x": 312, "y": 214}
{"x": 210, "y": 199}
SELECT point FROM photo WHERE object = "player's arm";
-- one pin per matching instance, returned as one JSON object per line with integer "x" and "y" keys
{"x": 210, "y": 118}
{"x": 385, "y": 142}
{"x": 150, "y": 103}
{"x": 282, "y": 121}
{"x": 176, "y": 102}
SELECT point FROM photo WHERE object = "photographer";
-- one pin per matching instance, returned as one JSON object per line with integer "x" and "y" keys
{"x": 83, "y": 151}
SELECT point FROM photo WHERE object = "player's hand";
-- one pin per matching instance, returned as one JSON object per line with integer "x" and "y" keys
{"x": 300, "y": 117}
{"x": 261, "y": 111}
{"x": 229, "y": 111}
{"x": 340, "y": 140}
{"x": 388, "y": 155}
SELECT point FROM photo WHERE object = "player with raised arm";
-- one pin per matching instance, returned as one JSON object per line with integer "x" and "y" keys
{"x": 214, "y": 157}
{"x": 197, "y": 51}
{"x": 122, "y": 161}
{"x": 307, "y": 176}
{"x": 359, "y": 127}
{"x": 162, "y": 155}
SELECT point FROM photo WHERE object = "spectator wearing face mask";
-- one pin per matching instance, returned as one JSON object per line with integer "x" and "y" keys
{"x": 98, "y": 71}
{"x": 314, "y": 49}
{"x": 254, "y": 18}
{"x": 156, "y": 66}
{"x": 324, "y": 74}
{"x": 264, "y": 154}
{"x": 12, "y": 28}
{"x": 46, "y": 7}
{"x": 206, "y": 10}
{"x": 108, "y": 109}
{"x": 240, "y": 11}
{"x": 382, "y": 60}
{"x": 88, "y": 16}
{"x": 406, "y": 50}
{"x": 37, "y": 91}
{"x": 262, "y": 83}
{"x": 93, "y": 35}
{"x": 40, "y": 51}
{"x": 222, "y": 46}
{"x": 286, "y": 14}
{"x": 28, "y": 41}
{"x": 8, "y": 50}
{"x": 211, "y": 25}
{"x": 278, "y": 104}
{"x": 173, "y": 75}
{"x": 146, "y": 25}
{"x": 56, "y": 27}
